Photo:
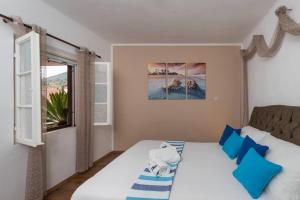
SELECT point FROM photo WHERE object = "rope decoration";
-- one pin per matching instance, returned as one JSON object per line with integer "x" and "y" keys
{"x": 259, "y": 45}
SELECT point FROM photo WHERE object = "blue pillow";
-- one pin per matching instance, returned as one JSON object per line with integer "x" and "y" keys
{"x": 255, "y": 173}
{"x": 227, "y": 133}
{"x": 233, "y": 145}
{"x": 247, "y": 144}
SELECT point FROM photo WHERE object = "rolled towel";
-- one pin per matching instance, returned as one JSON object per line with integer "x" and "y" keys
{"x": 157, "y": 166}
{"x": 161, "y": 159}
{"x": 164, "y": 145}
{"x": 167, "y": 153}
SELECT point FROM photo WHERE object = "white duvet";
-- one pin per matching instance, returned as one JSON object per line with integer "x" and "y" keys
{"x": 205, "y": 173}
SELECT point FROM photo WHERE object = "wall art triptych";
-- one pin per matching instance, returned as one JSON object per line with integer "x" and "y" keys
{"x": 176, "y": 81}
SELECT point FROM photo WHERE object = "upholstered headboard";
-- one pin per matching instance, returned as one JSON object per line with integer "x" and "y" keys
{"x": 281, "y": 121}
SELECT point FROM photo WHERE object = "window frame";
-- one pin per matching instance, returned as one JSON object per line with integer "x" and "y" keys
{"x": 35, "y": 89}
{"x": 109, "y": 93}
{"x": 70, "y": 86}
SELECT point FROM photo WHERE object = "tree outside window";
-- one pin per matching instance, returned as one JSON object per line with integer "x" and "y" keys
{"x": 59, "y": 95}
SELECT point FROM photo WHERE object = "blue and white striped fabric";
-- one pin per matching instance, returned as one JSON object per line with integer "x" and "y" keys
{"x": 150, "y": 187}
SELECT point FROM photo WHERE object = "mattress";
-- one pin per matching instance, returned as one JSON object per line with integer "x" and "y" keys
{"x": 205, "y": 173}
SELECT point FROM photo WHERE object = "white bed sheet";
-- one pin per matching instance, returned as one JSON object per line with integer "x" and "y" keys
{"x": 205, "y": 173}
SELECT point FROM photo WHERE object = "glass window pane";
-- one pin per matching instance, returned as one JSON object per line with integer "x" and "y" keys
{"x": 100, "y": 113}
{"x": 101, "y": 73}
{"x": 100, "y": 93}
{"x": 57, "y": 95}
{"x": 26, "y": 122}
{"x": 25, "y": 89}
{"x": 25, "y": 56}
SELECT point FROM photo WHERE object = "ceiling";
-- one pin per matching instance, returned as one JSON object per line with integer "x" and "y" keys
{"x": 166, "y": 21}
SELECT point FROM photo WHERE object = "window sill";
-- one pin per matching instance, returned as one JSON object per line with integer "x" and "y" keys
{"x": 102, "y": 124}
{"x": 60, "y": 129}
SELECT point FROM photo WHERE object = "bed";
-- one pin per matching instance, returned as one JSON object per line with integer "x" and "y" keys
{"x": 205, "y": 172}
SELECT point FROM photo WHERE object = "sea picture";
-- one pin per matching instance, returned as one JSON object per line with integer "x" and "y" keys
{"x": 176, "y": 81}
{"x": 157, "y": 81}
{"x": 196, "y": 80}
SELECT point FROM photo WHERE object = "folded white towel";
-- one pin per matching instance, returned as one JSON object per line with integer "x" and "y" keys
{"x": 164, "y": 145}
{"x": 158, "y": 167}
{"x": 167, "y": 153}
{"x": 159, "y": 159}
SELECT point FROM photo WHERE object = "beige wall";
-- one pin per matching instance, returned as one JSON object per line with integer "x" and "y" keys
{"x": 137, "y": 118}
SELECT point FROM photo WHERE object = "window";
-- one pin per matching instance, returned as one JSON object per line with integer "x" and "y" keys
{"x": 27, "y": 90}
{"x": 103, "y": 94}
{"x": 59, "y": 95}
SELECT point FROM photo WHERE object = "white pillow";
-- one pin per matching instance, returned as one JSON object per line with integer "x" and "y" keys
{"x": 254, "y": 133}
{"x": 286, "y": 185}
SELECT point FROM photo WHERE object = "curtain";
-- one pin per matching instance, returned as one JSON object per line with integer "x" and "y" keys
{"x": 244, "y": 93}
{"x": 36, "y": 181}
{"x": 259, "y": 45}
{"x": 36, "y": 167}
{"x": 84, "y": 115}
{"x": 17, "y": 26}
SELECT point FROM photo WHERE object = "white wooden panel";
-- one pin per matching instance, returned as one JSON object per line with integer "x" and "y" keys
{"x": 28, "y": 90}
{"x": 101, "y": 72}
{"x": 103, "y": 94}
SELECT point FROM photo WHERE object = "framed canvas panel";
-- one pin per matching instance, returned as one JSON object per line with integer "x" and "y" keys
{"x": 176, "y": 75}
{"x": 157, "y": 81}
{"x": 196, "y": 80}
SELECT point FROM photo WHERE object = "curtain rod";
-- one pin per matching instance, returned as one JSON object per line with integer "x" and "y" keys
{"x": 48, "y": 34}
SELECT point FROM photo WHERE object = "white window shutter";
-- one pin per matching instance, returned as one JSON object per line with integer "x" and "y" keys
{"x": 103, "y": 93}
{"x": 28, "y": 90}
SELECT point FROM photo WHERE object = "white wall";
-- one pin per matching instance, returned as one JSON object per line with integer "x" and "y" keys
{"x": 37, "y": 12}
{"x": 103, "y": 141}
{"x": 275, "y": 80}
{"x": 12, "y": 157}
{"x": 61, "y": 145}
{"x": 61, "y": 155}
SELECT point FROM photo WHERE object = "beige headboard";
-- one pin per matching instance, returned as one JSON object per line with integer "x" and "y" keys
{"x": 281, "y": 121}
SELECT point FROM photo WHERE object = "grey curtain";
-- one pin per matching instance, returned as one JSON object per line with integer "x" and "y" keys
{"x": 17, "y": 26}
{"x": 36, "y": 167}
{"x": 244, "y": 94}
{"x": 84, "y": 115}
{"x": 36, "y": 181}
{"x": 259, "y": 45}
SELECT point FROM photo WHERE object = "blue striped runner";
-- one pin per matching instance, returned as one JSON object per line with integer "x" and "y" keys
{"x": 150, "y": 187}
